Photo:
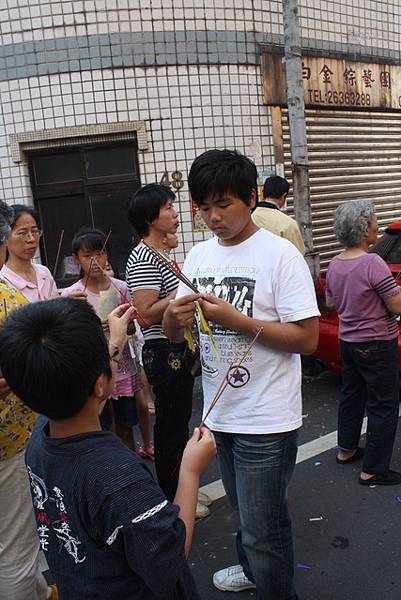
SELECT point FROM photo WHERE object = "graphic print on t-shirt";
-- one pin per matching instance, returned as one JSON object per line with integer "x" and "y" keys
{"x": 239, "y": 292}
{"x": 53, "y": 518}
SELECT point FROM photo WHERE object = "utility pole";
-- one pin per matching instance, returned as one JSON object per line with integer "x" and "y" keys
{"x": 296, "y": 117}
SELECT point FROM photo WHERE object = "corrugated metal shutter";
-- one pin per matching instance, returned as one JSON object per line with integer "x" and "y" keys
{"x": 352, "y": 155}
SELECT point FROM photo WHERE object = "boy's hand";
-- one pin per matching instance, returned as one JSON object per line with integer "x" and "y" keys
{"x": 218, "y": 311}
{"x": 199, "y": 451}
{"x": 119, "y": 319}
{"x": 180, "y": 313}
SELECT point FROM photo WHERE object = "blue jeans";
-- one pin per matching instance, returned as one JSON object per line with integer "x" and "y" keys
{"x": 256, "y": 470}
{"x": 370, "y": 380}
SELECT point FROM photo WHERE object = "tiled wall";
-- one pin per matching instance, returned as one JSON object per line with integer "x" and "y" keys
{"x": 190, "y": 70}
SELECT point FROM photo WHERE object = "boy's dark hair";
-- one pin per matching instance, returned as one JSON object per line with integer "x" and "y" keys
{"x": 144, "y": 206}
{"x": 21, "y": 209}
{"x": 216, "y": 172}
{"x": 275, "y": 187}
{"x": 90, "y": 239}
{"x": 51, "y": 354}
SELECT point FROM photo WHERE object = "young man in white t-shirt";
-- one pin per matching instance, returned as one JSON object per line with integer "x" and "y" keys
{"x": 249, "y": 278}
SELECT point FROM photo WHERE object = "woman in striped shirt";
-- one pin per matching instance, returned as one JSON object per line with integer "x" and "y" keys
{"x": 152, "y": 286}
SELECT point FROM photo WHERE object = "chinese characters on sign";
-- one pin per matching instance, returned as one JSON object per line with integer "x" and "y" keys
{"x": 342, "y": 83}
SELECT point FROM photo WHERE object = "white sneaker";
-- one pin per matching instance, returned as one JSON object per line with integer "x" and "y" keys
{"x": 232, "y": 579}
{"x": 202, "y": 511}
{"x": 204, "y": 499}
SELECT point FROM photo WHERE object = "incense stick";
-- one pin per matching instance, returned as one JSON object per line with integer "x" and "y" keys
{"x": 226, "y": 380}
{"x": 156, "y": 254}
{"x": 89, "y": 273}
{"x": 58, "y": 253}
{"x": 45, "y": 249}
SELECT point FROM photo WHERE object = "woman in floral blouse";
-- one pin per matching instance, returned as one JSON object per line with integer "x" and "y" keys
{"x": 20, "y": 575}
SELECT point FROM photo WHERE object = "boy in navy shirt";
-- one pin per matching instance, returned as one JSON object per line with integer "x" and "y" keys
{"x": 104, "y": 525}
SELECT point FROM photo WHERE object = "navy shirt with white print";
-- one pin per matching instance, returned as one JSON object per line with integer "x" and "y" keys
{"x": 105, "y": 527}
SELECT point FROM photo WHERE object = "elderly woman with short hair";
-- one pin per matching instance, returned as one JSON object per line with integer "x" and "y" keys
{"x": 362, "y": 289}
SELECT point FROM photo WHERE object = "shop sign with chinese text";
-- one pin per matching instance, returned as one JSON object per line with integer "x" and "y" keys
{"x": 334, "y": 83}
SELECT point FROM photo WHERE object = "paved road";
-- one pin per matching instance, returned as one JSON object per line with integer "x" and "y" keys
{"x": 352, "y": 552}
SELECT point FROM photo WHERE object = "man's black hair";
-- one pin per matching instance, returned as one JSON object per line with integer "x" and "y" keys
{"x": 51, "y": 354}
{"x": 275, "y": 187}
{"x": 144, "y": 206}
{"x": 216, "y": 172}
{"x": 21, "y": 209}
{"x": 90, "y": 239}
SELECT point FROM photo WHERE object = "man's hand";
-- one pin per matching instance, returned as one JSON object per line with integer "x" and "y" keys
{"x": 180, "y": 313}
{"x": 219, "y": 311}
{"x": 4, "y": 388}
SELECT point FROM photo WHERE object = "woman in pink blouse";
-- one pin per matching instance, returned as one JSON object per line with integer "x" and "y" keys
{"x": 34, "y": 281}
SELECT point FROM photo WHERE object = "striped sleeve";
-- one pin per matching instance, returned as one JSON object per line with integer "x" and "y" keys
{"x": 381, "y": 279}
{"x": 141, "y": 272}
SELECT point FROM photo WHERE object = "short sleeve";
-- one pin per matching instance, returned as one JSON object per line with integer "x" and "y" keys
{"x": 381, "y": 278}
{"x": 138, "y": 523}
{"x": 125, "y": 297}
{"x": 143, "y": 275}
{"x": 53, "y": 287}
{"x": 295, "y": 297}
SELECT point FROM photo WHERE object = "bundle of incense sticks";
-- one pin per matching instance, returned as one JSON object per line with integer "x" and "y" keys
{"x": 226, "y": 379}
{"x": 171, "y": 267}
{"x": 204, "y": 325}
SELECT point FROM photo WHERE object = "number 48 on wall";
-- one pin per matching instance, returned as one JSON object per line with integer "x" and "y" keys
{"x": 172, "y": 180}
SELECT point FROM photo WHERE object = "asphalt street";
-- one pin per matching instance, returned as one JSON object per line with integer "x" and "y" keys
{"x": 347, "y": 537}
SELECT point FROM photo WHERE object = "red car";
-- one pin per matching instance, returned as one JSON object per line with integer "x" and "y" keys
{"x": 389, "y": 248}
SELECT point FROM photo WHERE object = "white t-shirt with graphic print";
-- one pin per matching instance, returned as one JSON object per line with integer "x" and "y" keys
{"x": 265, "y": 277}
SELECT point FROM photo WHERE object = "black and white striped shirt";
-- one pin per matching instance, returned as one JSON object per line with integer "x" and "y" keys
{"x": 145, "y": 272}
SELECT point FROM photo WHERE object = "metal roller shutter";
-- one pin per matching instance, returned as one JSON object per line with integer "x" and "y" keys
{"x": 352, "y": 155}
